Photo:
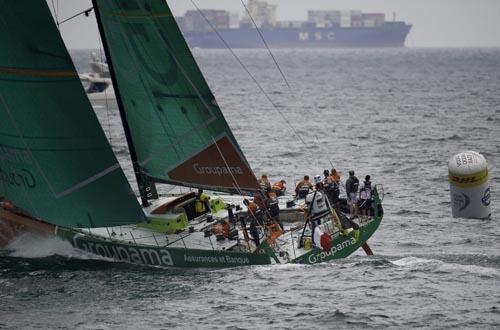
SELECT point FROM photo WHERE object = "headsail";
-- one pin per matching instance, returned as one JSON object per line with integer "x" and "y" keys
{"x": 177, "y": 129}
{"x": 55, "y": 161}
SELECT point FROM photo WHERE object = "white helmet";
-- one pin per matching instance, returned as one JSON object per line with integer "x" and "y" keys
{"x": 317, "y": 179}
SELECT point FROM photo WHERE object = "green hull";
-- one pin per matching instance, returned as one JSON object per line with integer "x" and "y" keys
{"x": 341, "y": 247}
{"x": 160, "y": 256}
{"x": 164, "y": 256}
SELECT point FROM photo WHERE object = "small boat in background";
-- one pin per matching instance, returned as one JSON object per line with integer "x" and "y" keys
{"x": 97, "y": 83}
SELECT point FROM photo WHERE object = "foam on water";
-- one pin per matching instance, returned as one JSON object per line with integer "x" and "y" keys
{"x": 278, "y": 268}
{"x": 413, "y": 262}
{"x": 472, "y": 269}
{"x": 435, "y": 265}
{"x": 31, "y": 246}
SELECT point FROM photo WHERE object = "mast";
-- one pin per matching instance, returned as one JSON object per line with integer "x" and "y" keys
{"x": 147, "y": 188}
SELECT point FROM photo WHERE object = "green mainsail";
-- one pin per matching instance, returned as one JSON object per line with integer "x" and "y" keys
{"x": 55, "y": 161}
{"x": 177, "y": 130}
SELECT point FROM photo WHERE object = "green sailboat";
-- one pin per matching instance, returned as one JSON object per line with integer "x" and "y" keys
{"x": 58, "y": 173}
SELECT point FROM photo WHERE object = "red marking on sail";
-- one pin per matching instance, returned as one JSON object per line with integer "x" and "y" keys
{"x": 209, "y": 168}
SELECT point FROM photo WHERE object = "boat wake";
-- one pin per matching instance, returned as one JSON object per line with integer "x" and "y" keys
{"x": 439, "y": 266}
{"x": 31, "y": 246}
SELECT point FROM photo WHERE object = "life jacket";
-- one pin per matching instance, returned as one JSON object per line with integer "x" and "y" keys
{"x": 278, "y": 189}
{"x": 264, "y": 184}
{"x": 273, "y": 207}
{"x": 272, "y": 194}
{"x": 273, "y": 232}
{"x": 316, "y": 202}
{"x": 335, "y": 177}
{"x": 225, "y": 229}
{"x": 303, "y": 188}
{"x": 255, "y": 215}
{"x": 260, "y": 203}
{"x": 252, "y": 208}
{"x": 200, "y": 203}
{"x": 330, "y": 185}
{"x": 217, "y": 229}
{"x": 278, "y": 186}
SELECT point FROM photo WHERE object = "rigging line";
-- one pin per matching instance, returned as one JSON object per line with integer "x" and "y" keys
{"x": 55, "y": 14}
{"x": 265, "y": 44}
{"x": 251, "y": 75}
{"x": 110, "y": 136}
{"x": 237, "y": 187}
{"x": 85, "y": 12}
{"x": 323, "y": 147}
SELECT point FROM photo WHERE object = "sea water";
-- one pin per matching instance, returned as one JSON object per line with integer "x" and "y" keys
{"x": 395, "y": 114}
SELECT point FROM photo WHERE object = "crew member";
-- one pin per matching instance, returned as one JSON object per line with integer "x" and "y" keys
{"x": 255, "y": 218}
{"x": 201, "y": 205}
{"x": 326, "y": 174}
{"x": 365, "y": 196}
{"x": 260, "y": 203}
{"x": 264, "y": 183}
{"x": 303, "y": 187}
{"x": 279, "y": 188}
{"x": 273, "y": 210}
{"x": 331, "y": 187}
{"x": 351, "y": 188}
{"x": 335, "y": 175}
{"x": 316, "y": 204}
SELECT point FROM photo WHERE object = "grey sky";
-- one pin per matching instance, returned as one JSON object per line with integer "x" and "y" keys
{"x": 436, "y": 23}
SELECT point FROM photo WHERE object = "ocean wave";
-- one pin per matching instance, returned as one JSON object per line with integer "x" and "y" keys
{"x": 410, "y": 212}
{"x": 453, "y": 137}
{"x": 376, "y": 261}
{"x": 411, "y": 244}
{"x": 290, "y": 154}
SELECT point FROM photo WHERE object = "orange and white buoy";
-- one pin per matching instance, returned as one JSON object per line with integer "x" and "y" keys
{"x": 469, "y": 186}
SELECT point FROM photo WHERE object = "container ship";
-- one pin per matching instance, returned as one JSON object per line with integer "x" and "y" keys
{"x": 324, "y": 28}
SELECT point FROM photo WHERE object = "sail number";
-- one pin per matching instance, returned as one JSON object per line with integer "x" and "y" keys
{"x": 18, "y": 178}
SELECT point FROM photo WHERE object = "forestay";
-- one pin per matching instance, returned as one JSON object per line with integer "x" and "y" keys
{"x": 177, "y": 129}
{"x": 55, "y": 161}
